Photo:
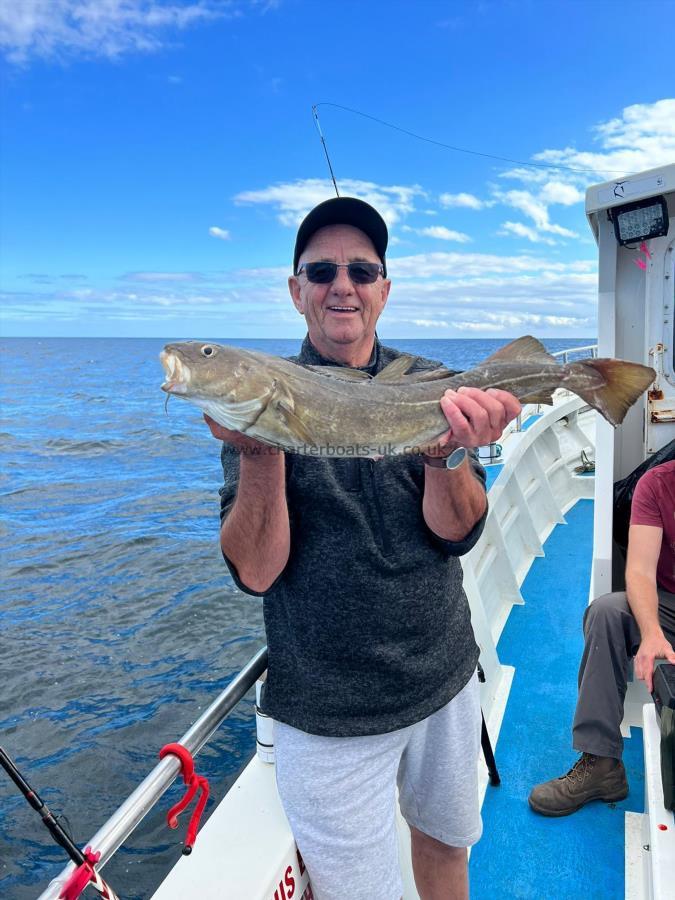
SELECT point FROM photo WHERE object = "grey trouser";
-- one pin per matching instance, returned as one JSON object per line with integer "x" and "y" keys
{"x": 612, "y": 638}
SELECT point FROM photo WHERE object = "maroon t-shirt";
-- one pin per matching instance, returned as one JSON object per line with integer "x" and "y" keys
{"x": 654, "y": 504}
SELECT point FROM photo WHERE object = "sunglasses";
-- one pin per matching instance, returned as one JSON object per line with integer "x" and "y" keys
{"x": 326, "y": 272}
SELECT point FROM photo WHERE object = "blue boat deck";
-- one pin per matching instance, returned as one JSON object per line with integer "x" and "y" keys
{"x": 522, "y": 854}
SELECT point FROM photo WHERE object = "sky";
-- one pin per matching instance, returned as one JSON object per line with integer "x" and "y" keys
{"x": 158, "y": 155}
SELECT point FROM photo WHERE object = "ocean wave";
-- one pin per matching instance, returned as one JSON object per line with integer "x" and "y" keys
{"x": 88, "y": 398}
{"x": 83, "y": 448}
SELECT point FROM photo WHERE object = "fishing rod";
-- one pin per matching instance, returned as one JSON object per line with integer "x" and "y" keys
{"x": 325, "y": 148}
{"x": 85, "y": 873}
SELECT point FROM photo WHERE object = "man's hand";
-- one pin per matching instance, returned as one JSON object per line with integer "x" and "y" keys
{"x": 475, "y": 417}
{"x": 255, "y": 534}
{"x": 652, "y": 647}
{"x": 644, "y": 549}
{"x": 244, "y": 444}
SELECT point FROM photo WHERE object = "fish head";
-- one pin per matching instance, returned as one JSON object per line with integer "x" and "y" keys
{"x": 207, "y": 372}
{"x": 193, "y": 367}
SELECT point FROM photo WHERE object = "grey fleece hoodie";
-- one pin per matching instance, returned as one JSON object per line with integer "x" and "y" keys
{"x": 368, "y": 627}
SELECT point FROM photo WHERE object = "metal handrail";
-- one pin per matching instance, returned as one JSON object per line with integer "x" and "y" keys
{"x": 122, "y": 822}
{"x": 565, "y": 353}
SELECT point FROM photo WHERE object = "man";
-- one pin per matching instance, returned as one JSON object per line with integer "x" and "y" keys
{"x": 372, "y": 659}
{"x": 639, "y": 622}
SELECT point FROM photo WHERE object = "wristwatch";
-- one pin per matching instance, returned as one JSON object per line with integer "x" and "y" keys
{"x": 452, "y": 462}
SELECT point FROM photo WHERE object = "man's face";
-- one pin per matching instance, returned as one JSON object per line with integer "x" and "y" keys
{"x": 341, "y": 316}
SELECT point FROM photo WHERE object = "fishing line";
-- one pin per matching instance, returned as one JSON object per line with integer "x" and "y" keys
{"x": 421, "y": 137}
{"x": 64, "y": 822}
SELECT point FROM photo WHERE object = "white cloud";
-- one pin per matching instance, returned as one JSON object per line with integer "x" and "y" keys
{"x": 221, "y": 233}
{"x": 642, "y": 137}
{"x": 457, "y": 293}
{"x": 463, "y": 265}
{"x": 154, "y": 277}
{"x": 537, "y": 210}
{"x": 430, "y": 323}
{"x": 491, "y": 294}
{"x": 441, "y": 233}
{"x": 525, "y": 231}
{"x": 94, "y": 28}
{"x": 560, "y": 320}
{"x": 559, "y": 192}
{"x": 513, "y": 322}
{"x": 271, "y": 274}
{"x": 467, "y": 201}
{"x": 293, "y": 200}
{"x": 475, "y": 326}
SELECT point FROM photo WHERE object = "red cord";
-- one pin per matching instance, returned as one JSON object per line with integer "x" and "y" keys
{"x": 195, "y": 783}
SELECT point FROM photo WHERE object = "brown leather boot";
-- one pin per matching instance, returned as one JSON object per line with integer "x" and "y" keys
{"x": 590, "y": 778}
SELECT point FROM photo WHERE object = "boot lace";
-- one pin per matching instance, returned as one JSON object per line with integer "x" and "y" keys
{"x": 581, "y": 769}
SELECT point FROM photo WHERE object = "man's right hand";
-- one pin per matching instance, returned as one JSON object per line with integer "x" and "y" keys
{"x": 652, "y": 647}
{"x": 242, "y": 442}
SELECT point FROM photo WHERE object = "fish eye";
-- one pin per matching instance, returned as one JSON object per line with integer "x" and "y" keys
{"x": 207, "y": 350}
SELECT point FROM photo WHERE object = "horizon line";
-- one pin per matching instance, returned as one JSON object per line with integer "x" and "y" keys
{"x": 152, "y": 337}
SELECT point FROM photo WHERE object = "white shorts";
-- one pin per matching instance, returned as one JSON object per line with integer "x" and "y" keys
{"x": 339, "y": 794}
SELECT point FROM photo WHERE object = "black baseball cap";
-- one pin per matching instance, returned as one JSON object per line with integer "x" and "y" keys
{"x": 343, "y": 211}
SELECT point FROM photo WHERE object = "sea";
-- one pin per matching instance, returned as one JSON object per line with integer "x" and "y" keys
{"x": 119, "y": 623}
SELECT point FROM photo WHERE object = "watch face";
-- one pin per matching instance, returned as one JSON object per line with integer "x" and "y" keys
{"x": 456, "y": 458}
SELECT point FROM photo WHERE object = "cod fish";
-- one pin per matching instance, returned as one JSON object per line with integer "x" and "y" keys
{"x": 336, "y": 411}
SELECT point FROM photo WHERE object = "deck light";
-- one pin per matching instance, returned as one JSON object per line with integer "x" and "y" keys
{"x": 640, "y": 220}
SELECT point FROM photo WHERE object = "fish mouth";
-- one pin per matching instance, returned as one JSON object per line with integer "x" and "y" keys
{"x": 177, "y": 373}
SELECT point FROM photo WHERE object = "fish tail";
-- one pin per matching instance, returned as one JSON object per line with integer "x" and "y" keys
{"x": 609, "y": 385}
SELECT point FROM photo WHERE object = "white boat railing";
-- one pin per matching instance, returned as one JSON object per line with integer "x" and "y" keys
{"x": 535, "y": 486}
{"x": 121, "y": 824}
{"x": 565, "y": 354}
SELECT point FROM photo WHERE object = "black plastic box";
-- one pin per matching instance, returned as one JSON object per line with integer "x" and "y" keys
{"x": 664, "y": 698}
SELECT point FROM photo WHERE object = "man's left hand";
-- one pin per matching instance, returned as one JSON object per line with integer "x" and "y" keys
{"x": 651, "y": 648}
{"x": 476, "y": 417}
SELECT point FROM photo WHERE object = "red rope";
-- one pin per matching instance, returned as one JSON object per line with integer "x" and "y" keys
{"x": 81, "y": 877}
{"x": 195, "y": 783}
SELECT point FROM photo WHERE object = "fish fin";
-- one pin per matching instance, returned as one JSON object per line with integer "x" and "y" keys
{"x": 542, "y": 397}
{"x": 283, "y": 405}
{"x": 623, "y": 383}
{"x": 342, "y": 372}
{"x": 523, "y": 349}
{"x": 429, "y": 375}
{"x": 402, "y": 378}
{"x": 396, "y": 369}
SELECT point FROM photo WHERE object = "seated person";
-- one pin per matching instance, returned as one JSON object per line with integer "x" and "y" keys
{"x": 640, "y": 623}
